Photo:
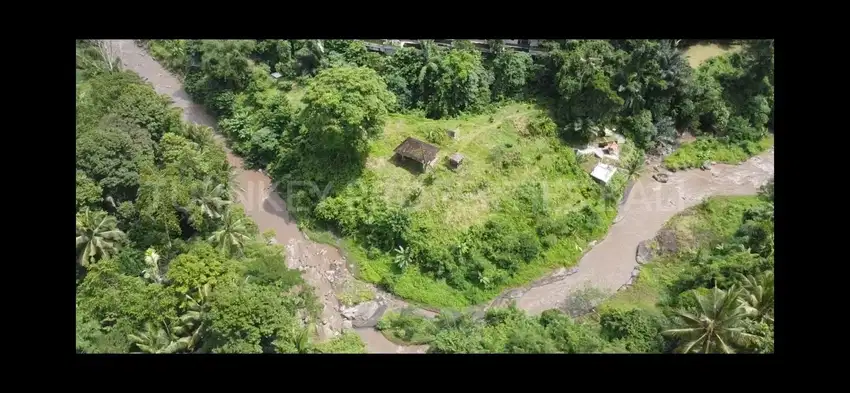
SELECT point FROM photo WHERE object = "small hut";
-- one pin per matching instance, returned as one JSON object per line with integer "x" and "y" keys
{"x": 421, "y": 152}
{"x": 453, "y": 133}
{"x": 455, "y": 160}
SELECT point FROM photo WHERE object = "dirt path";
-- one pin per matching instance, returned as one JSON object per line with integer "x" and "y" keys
{"x": 607, "y": 266}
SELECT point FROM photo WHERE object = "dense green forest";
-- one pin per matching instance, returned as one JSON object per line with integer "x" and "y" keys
{"x": 522, "y": 204}
{"x": 166, "y": 263}
{"x": 714, "y": 295}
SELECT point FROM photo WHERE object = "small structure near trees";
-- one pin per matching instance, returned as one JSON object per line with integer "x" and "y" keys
{"x": 455, "y": 160}
{"x": 453, "y": 133}
{"x": 419, "y": 151}
{"x": 603, "y": 172}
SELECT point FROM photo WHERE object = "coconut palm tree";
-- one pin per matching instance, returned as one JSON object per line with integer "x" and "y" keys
{"x": 757, "y": 295}
{"x": 610, "y": 197}
{"x": 231, "y": 183}
{"x": 191, "y": 325}
{"x": 202, "y": 135}
{"x": 211, "y": 198}
{"x": 430, "y": 57}
{"x": 156, "y": 340}
{"x": 233, "y": 234}
{"x": 634, "y": 166}
{"x": 717, "y": 325}
{"x": 97, "y": 236}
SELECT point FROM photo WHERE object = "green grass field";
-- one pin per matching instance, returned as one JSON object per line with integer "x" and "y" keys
{"x": 455, "y": 200}
{"x": 716, "y": 218}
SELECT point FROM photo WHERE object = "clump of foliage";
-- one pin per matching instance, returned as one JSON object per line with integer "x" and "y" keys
{"x": 166, "y": 262}
{"x": 642, "y": 87}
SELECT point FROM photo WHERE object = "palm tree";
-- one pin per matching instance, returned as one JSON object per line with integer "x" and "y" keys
{"x": 156, "y": 340}
{"x": 97, "y": 235}
{"x": 609, "y": 197}
{"x": 757, "y": 295}
{"x": 191, "y": 325}
{"x": 716, "y": 327}
{"x": 634, "y": 166}
{"x": 233, "y": 234}
{"x": 212, "y": 199}
{"x": 430, "y": 61}
{"x": 301, "y": 340}
{"x": 402, "y": 257}
{"x": 202, "y": 135}
{"x": 151, "y": 272}
{"x": 231, "y": 183}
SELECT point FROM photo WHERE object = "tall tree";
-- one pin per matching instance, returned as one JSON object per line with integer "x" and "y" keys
{"x": 156, "y": 340}
{"x": 227, "y": 61}
{"x": 211, "y": 198}
{"x": 112, "y": 154}
{"x": 511, "y": 70}
{"x": 717, "y": 325}
{"x": 235, "y": 231}
{"x": 97, "y": 236}
{"x": 757, "y": 295}
{"x": 587, "y": 99}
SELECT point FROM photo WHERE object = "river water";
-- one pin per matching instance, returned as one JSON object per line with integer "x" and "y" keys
{"x": 606, "y": 266}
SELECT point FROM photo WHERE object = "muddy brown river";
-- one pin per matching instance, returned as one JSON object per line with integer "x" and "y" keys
{"x": 606, "y": 266}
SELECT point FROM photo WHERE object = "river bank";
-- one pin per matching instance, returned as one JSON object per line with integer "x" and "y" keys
{"x": 607, "y": 266}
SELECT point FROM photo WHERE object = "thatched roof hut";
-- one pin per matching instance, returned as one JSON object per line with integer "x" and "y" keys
{"x": 414, "y": 149}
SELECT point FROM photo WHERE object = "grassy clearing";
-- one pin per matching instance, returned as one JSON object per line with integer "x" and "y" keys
{"x": 295, "y": 94}
{"x": 459, "y": 199}
{"x": 715, "y": 219}
{"x": 693, "y": 154}
{"x": 500, "y": 157}
{"x": 699, "y": 53}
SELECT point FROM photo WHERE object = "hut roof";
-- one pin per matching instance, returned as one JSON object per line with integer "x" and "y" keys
{"x": 417, "y": 150}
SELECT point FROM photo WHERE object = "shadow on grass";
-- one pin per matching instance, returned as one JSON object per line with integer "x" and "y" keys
{"x": 415, "y": 168}
{"x": 549, "y": 106}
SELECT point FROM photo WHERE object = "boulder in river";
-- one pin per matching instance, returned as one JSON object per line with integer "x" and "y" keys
{"x": 667, "y": 242}
{"x": 661, "y": 177}
{"x": 364, "y": 314}
{"x": 644, "y": 252}
{"x": 706, "y": 165}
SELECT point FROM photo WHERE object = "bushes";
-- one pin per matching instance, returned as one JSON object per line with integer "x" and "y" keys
{"x": 639, "y": 331}
{"x": 542, "y": 126}
{"x": 407, "y": 327}
{"x": 692, "y": 155}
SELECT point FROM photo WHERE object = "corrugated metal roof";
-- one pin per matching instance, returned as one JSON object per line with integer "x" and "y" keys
{"x": 603, "y": 172}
